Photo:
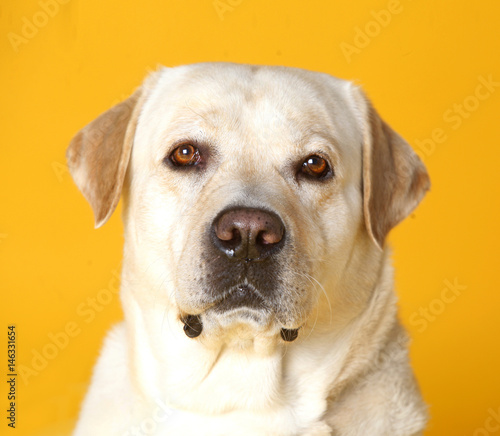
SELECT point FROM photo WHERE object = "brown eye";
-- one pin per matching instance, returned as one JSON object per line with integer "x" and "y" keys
{"x": 185, "y": 155}
{"x": 315, "y": 166}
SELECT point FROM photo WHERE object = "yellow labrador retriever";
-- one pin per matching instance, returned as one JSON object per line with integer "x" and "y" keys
{"x": 256, "y": 286}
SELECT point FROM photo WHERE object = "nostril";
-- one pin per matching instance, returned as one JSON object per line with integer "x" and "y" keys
{"x": 236, "y": 236}
{"x": 225, "y": 233}
{"x": 266, "y": 237}
{"x": 229, "y": 238}
{"x": 235, "y": 240}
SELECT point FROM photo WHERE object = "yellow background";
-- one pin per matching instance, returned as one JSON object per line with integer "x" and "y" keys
{"x": 90, "y": 54}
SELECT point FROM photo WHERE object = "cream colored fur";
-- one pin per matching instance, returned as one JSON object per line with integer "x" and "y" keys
{"x": 347, "y": 374}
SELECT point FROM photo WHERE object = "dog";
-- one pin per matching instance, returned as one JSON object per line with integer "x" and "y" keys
{"x": 257, "y": 287}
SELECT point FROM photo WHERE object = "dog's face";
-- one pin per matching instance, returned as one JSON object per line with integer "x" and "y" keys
{"x": 248, "y": 190}
{"x": 242, "y": 186}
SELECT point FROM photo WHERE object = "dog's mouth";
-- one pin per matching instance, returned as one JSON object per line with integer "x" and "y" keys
{"x": 243, "y": 299}
{"x": 240, "y": 296}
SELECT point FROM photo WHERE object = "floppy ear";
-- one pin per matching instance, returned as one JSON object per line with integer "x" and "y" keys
{"x": 394, "y": 178}
{"x": 98, "y": 156}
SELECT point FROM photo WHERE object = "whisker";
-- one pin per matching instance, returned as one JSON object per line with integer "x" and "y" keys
{"x": 315, "y": 282}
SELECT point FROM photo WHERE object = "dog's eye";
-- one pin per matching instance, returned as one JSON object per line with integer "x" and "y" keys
{"x": 316, "y": 167}
{"x": 185, "y": 155}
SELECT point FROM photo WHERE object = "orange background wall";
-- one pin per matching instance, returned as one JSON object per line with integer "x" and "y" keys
{"x": 422, "y": 62}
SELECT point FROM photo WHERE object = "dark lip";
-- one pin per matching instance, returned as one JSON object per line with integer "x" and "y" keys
{"x": 240, "y": 296}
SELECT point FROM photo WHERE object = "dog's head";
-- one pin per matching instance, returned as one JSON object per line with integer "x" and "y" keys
{"x": 250, "y": 192}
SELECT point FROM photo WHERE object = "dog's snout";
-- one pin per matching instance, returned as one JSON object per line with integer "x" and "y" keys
{"x": 248, "y": 234}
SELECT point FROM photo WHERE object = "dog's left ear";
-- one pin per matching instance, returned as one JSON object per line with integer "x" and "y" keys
{"x": 98, "y": 155}
{"x": 394, "y": 178}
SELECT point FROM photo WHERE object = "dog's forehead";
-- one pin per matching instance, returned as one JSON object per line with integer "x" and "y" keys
{"x": 261, "y": 103}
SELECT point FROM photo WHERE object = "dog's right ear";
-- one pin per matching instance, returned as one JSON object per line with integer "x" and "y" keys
{"x": 98, "y": 155}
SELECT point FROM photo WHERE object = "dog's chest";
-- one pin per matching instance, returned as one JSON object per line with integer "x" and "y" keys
{"x": 233, "y": 393}
{"x": 281, "y": 423}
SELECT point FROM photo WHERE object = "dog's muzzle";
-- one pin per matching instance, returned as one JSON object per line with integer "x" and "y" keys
{"x": 248, "y": 238}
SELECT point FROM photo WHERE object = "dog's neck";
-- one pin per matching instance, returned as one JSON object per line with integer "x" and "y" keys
{"x": 169, "y": 367}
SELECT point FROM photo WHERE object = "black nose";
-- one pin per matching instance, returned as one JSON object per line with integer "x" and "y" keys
{"x": 248, "y": 234}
